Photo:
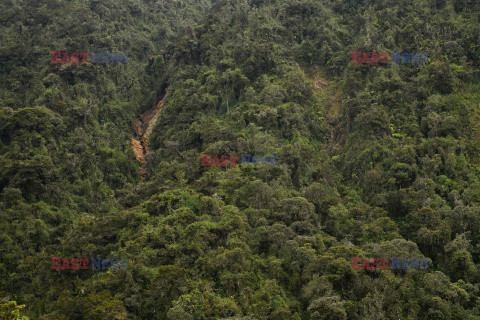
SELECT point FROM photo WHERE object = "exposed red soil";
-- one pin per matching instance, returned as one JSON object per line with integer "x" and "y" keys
{"x": 143, "y": 128}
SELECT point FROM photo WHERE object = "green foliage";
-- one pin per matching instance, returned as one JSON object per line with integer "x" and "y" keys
{"x": 375, "y": 160}
{"x": 10, "y": 311}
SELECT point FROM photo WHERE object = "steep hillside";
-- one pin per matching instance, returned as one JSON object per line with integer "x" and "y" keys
{"x": 376, "y": 160}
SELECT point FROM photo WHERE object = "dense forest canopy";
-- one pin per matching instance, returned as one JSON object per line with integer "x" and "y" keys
{"x": 375, "y": 160}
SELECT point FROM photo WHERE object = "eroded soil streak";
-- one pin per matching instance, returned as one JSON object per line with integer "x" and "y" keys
{"x": 143, "y": 129}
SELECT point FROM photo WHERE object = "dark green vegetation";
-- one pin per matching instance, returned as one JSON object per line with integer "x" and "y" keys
{"x": 375, "y": 160}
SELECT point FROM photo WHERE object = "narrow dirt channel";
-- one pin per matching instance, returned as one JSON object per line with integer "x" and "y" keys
{"x": 332, "y": 110}
{"x": 143, "y": 129}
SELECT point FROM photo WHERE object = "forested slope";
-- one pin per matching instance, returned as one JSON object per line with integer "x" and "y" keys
{"x": 375, "y": 160}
